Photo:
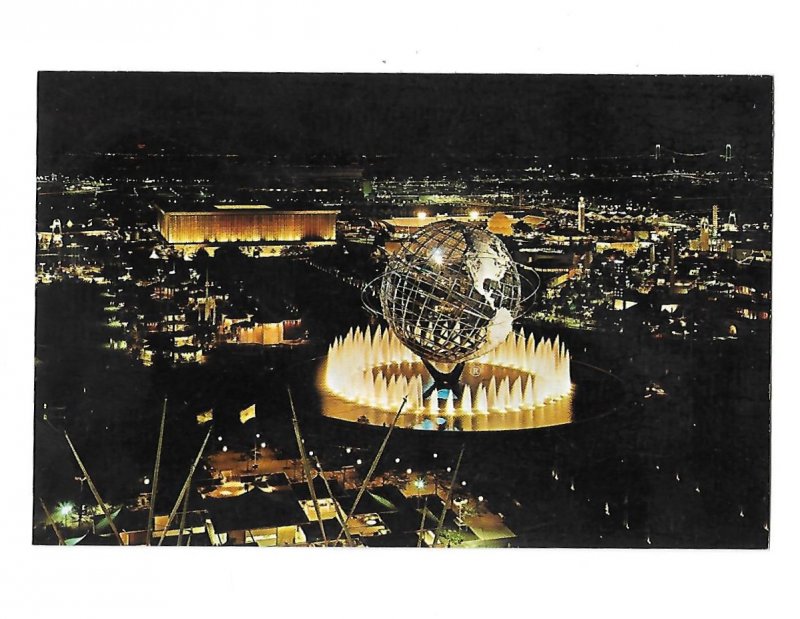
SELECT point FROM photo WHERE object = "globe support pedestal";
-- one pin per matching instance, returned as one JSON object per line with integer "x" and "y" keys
{"x": 444, "y": 380}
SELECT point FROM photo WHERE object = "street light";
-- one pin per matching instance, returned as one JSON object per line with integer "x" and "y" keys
{"x": 408, "y": 471}
{"x": 224, "y": 448}
{"x": 146, "y": 481}
{"x": 397, "y": 460}
{"x": 65, "y": 509}
{"x": 358, "y": 461}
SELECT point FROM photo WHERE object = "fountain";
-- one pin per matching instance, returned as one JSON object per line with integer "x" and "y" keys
{"x": 519, "y": 384}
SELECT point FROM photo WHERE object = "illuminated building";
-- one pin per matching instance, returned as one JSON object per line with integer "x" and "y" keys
{"x": 403, "y": 226}
{"x": 246, "y": 224}
{"x": 498, "y": 223}
{"x": 615, "y": 276}
{"x": 501, "y": 224}
{"x": 582, "y": 214}
{"x": 703, "y": 243}
{"x": 271, "y": 334}
{"x": 672, "y": 260}
{"x": 715, "y": 221}
{"x": 731, "y": 226}
{"x": 627, "y": 247}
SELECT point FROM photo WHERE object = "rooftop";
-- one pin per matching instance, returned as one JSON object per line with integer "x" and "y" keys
{"x": 202, "y": 208}
{"x": 255, "y": 509}
{"x": 241, "y": 207}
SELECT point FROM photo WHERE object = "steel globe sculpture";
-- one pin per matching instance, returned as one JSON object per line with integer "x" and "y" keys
{"x": 450, "y": 294}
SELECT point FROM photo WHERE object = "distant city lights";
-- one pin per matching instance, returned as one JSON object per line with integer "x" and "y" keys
{"x": 692, "y": 282}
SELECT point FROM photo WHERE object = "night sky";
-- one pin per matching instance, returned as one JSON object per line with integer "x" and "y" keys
{"x": 406, "y": 115}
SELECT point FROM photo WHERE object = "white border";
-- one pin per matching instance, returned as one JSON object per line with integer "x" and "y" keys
{"x": 572, "y": 37}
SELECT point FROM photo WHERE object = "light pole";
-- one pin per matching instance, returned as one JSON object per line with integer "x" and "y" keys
{"x": 255, "y": 451}
{"x": 80, "y": 500}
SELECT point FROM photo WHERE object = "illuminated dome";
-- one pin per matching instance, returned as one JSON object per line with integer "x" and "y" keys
{"x": 451, "y": 292}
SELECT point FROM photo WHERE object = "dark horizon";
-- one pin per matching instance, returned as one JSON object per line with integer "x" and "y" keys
{"x": 405, "y": 115}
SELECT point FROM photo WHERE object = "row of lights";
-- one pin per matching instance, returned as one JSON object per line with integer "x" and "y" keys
{"x": 263, "y": 445}
{"x": 473, "y": 215}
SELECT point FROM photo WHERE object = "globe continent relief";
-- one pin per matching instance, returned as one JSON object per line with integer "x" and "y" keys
{"x": 451, "y": 292}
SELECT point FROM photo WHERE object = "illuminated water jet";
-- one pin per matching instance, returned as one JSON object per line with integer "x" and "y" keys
{"x": 372, "y": 370}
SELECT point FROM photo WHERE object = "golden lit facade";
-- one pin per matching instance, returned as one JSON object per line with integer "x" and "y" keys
{"x": 246, "y": 225}
{"x": 271, "y": 333}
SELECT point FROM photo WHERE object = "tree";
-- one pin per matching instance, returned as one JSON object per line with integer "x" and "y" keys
{"x": 453, "y": 537}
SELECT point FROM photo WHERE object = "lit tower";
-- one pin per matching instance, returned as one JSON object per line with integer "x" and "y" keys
{"x": 714, "y": 221}
{"x": 56, "y": 234}
{"x": 581, "y": 214}
{"x": 209, "y": 304}
{"x": 730, "y": 225}
{"x": 704, "y": 245}
{"x": 658, "y": 152}
{"x": 671, "y": 260}
{"x": 728, "y": 154}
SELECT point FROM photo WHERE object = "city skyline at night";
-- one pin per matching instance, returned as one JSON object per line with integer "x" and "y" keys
{"x": 403, "y": 310}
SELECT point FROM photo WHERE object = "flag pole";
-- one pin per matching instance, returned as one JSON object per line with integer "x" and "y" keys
{"x": 449, "y": 498}
{"x": 185, "y": 487}
{"x": 306, "y": 468}
{"x": 375, "y": 462}
{"x": 156, "y": 468}
{"x": 92, "y": 487}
